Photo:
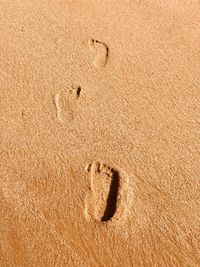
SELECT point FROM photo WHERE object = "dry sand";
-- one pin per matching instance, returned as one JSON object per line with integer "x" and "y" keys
{"x": 100, "y": 133}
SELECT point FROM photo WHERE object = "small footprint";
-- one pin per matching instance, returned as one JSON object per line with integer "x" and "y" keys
{"x": 100, "y": 53}
{"x": 65, "y": 102}
{"x": 109, "y": 196}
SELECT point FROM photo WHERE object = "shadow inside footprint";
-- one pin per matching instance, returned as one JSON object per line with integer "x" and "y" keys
{"x": 112, "y": 198}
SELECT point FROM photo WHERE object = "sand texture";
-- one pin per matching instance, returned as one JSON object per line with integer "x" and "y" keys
{"x": 100, "y": 133}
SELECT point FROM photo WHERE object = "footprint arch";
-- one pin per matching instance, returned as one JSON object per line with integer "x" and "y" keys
{"x": 109, "y": 196}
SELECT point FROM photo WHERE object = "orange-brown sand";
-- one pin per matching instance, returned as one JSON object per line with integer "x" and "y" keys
{"x": 100, "y": 133}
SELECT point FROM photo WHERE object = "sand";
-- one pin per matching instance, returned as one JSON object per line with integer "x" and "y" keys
{"x": 100, "y": 133}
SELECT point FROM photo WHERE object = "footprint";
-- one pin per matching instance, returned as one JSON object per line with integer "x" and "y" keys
{"x": 65, "y": 102}
{"x": 109, "y": 196}
{"x": 100, "y": 53}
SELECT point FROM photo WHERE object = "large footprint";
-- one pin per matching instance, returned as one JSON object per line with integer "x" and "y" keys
{"x": 65, "y": 102}
{"x": 100, "y": 53}
{"x": 109, "y": 196}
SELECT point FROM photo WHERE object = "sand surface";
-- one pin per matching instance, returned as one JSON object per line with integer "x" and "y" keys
{"x": 100, "y": 133}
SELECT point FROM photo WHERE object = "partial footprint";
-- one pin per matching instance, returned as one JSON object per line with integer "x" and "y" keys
{"x": 109, "y": 196}
{"x": 100, "y": 53}
{"x": 65, "y": 102}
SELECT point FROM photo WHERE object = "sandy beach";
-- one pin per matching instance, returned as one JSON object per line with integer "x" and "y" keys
{"x": 100, "y": 133}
